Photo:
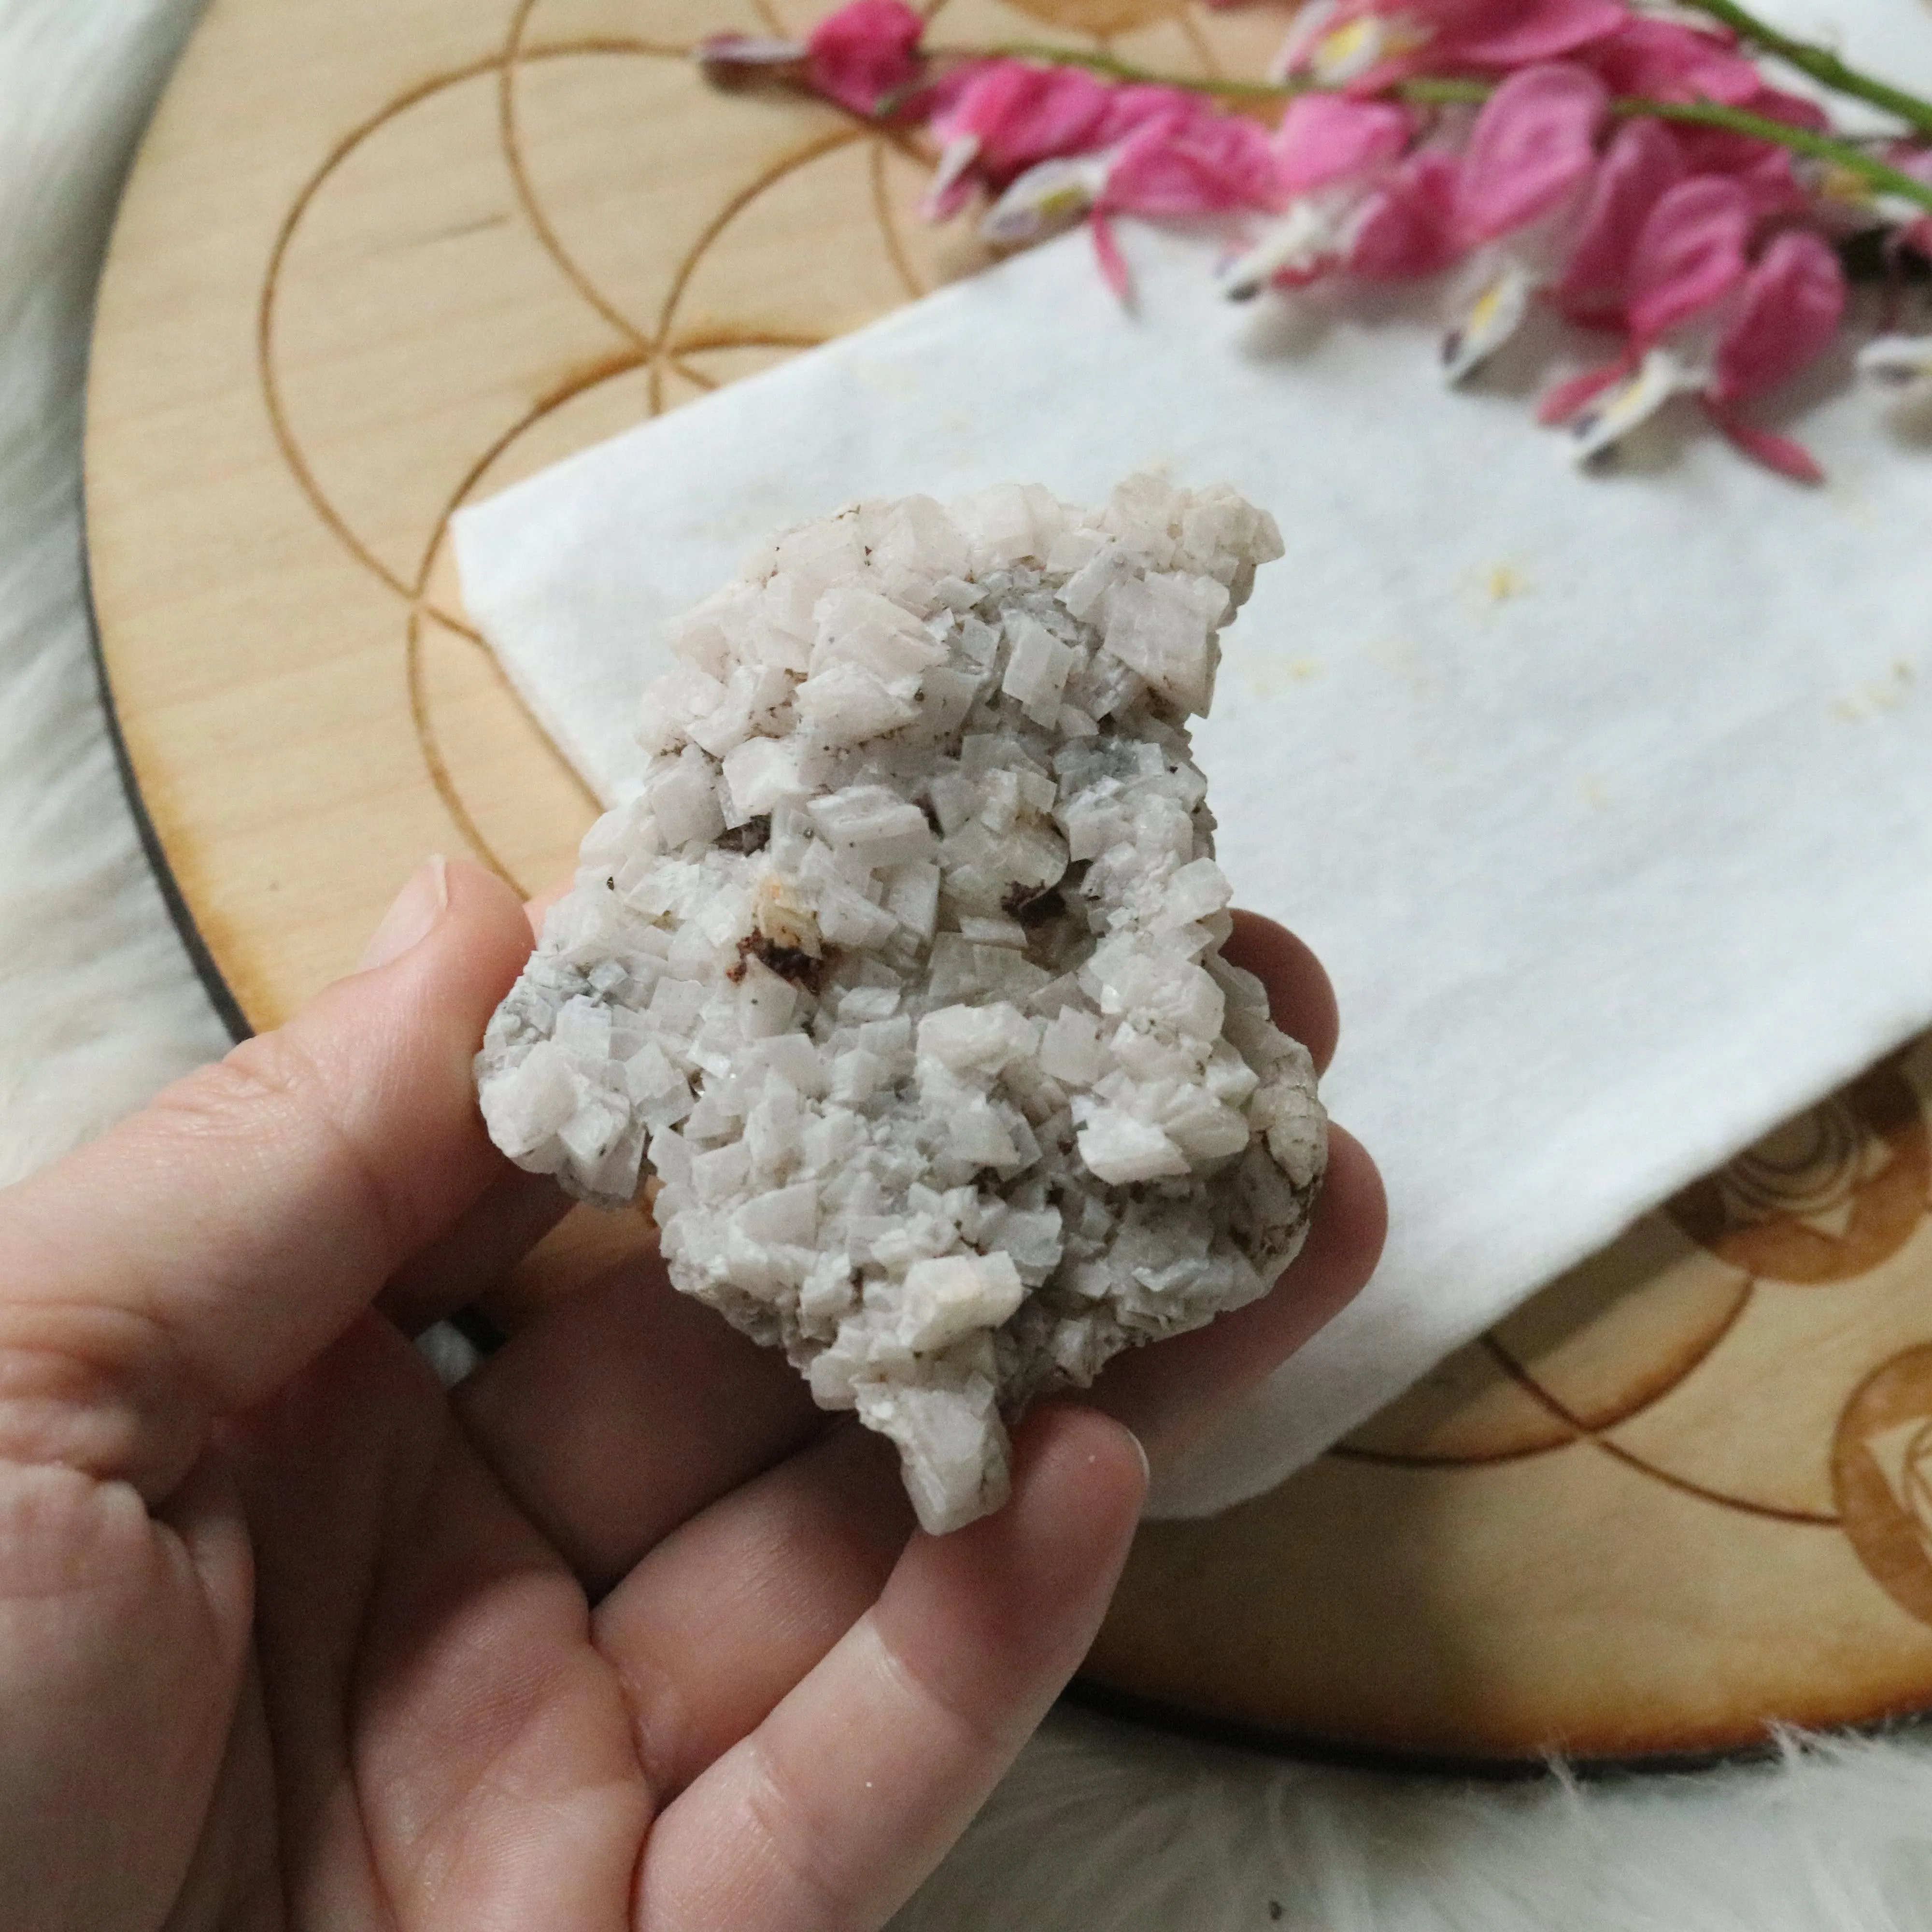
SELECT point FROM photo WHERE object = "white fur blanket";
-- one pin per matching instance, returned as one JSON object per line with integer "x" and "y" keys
{"x": 1100, "y": 1827}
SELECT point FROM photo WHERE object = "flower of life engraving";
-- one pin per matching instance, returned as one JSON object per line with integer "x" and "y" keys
{"x": 600, "y": 288}
{"x": 793, "y": 222}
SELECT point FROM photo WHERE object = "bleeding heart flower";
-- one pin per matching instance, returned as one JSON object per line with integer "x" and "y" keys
{"x": 1642, "y": 162}
{"x": 864, "y": 57}
{"x": 1308, "y": 242}
{"x": 1690, "y": 253}
{"x": 1331, "y": 152}
{"x": 1406, "y": 229}
{"x": 1192, "y": 161}
{"x": 1326, "y": 138}
{"x": 1391, "y": 220}
{"x": 1050, "y": 195}
{"x": 1652, "y": 234}
{"x": 1532, "y": 149}
{"x": 1788, "y": 308}
{"x": 1008, "y": 116}
{"x": 1176, "y": 156}
{"x": 1350, "y": 44}
{"x": 1687, "y": 253}
{"x": 1367, "y": 45}
{"x": 865, "y": 54}
{"x": 1778, "y": 317}
{"x": 1670, "y": 60}
{"x": 1530, "y": 155}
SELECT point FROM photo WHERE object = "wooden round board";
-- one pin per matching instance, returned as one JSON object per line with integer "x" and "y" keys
{"x": 380, "y": 256}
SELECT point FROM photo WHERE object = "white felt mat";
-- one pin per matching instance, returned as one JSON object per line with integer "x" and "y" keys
{"x": 1608, "y": 802}
{"x": 1099, "y": 1829}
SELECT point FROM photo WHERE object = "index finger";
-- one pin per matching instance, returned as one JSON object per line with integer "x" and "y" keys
{"x": 192, "y": 1260}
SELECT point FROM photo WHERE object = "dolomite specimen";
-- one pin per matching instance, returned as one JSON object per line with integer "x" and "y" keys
{"x": 902, "y": 969}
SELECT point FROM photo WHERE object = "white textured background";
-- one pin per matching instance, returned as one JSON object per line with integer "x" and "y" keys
{"x": 1101, "y": 1829}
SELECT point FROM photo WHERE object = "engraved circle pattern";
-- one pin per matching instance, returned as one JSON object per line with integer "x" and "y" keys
{"x": 683, "y": 345}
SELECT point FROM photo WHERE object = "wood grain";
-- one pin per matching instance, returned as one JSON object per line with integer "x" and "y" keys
{"x": 380, "y": 256}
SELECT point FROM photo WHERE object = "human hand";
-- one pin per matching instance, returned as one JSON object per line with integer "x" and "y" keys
{"x": 623, "y": 1632}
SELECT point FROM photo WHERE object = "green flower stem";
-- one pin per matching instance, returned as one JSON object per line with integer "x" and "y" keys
{"x": 1431, "y": 92}
{"x": 1820, "y": 63}
{"x": 1800, "y": 140}
{"x": 1116, "y": 69}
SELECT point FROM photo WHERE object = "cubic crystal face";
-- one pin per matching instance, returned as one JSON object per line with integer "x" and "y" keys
{"x": 902, "y": 969}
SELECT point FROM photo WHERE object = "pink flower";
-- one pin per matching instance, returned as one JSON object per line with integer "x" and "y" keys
{"x": 1789, "y": 309}
{"x": 1666, "y": 60}
{"x": 1705, "y": 323}
{"x": 1407, "y": 229}
{"x": 1642, "y": 162}
{"x": 1192, "y": 160}
{"x": 1687, "y": 253}
{"x": 1690, "y": 254}
{"x": 1179, "y": 163}
{"x": 861, "y": 57}
{"x": 1167, "y": 153}
{"x": 1367, "y": 45}
{"x": 1532, "y": 149}
{"x": 1009, "y": 116}
{"x": 1053, "y": 142}
{"x": 1680, "y": 256}
{"x": 866, "y": 53}
{"x": 1386, "y": 220}
{"x": 1532, "y": 154}
{"x": 1330, "y": 152}
{"x": 1325, "y": 138}
{"x": 1506, "y": 33}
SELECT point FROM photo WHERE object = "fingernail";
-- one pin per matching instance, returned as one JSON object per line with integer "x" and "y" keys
{"x": 418, "y": 906}
{"x": 1140, "y": 1450}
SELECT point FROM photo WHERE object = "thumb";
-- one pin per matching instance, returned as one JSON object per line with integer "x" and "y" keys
{"x": 186, "y": 1264}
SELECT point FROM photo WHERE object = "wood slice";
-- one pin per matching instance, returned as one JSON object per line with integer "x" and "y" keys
{"x": 381, "y": 257}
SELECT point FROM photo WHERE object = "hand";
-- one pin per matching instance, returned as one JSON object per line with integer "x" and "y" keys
{"x": 622, "y": 1633}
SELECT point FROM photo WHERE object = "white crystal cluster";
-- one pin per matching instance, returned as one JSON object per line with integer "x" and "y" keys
{"x": 902, "y": 969}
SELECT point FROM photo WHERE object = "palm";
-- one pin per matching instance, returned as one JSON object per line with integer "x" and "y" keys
{"x": 622, "y": 1633}
{"x": 443, "y": 1735}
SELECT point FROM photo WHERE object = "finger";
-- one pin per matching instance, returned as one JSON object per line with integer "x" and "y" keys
{"x": 582, "y": 1248}
{"x": 722, "y": 1619}
{"x": 194, "y": 1258}
{"x": 538, "y": 909}
{"x": 623, "y": 1411}
{"x": 829, "y": 1814}
{"x": 1300, "y": 997}
{"x": 477, "y": 1252}
{"x": 1167, "y": 1394}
